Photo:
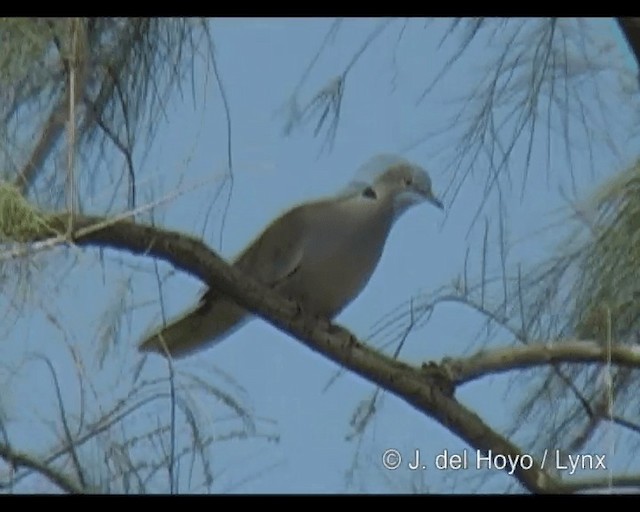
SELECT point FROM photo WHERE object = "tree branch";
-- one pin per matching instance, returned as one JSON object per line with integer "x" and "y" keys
{"x": 424, "y": 388}
{"x": 51, "y": 131}
{"x": 17, "y": 459}
{"x": 590, "y": 484}
{"x": 631, "y": 29}
{"x": 463, "y": 370}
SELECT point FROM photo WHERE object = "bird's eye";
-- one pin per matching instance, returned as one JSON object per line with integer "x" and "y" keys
{"x": 408, "y": 181}
{"x": 370, "y": 193}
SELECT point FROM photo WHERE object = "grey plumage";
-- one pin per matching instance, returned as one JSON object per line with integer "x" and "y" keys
{"x": 321, "y": 254}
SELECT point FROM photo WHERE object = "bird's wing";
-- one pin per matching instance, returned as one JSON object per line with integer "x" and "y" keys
{"x": 279, "y": 250}
{"x": 269, "y": 259}
{"x": 320, "y": 253}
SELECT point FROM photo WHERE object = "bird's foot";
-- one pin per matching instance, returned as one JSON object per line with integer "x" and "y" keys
{"x": 439, "y": 377}
{"x": 330, "y": 327}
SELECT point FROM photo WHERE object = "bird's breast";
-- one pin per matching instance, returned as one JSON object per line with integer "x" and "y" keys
{"x": 337, "y": 266}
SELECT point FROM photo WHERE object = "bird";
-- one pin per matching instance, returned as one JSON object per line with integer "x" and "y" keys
{"x": 320, "y": 254}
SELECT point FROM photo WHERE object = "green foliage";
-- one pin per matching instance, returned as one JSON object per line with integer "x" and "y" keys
{"x": 608, "y": 287}
{"x": 19, "y": 220}
{"x": 24, "y": 44}
{"x": 124, "y": 70}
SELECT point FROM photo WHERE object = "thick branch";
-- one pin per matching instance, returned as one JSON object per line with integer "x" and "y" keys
{"x": 616, "y": 482}
{"x": 631, "y": 29}
{"x": 49, "y": 135}
{"x": 522, "y": 357}
{"x": 419, "y": 387}
{"x": 17, "y": 459}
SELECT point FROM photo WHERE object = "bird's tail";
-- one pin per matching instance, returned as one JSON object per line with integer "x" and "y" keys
{"x": 196, "y": 329}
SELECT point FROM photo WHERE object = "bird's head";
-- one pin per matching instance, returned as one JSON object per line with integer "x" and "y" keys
{"x": 393, "y": 178}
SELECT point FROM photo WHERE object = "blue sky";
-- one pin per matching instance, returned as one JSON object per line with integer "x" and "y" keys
{"x": 260, "y": 62}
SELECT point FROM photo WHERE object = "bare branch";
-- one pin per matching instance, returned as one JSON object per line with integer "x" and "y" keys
{"x": 424, "y": 388}
{"x": 602, "y": 483}
{"x": 18, "y": 459}
{"x": 464, "y": 370}
{"x": 65, "y": 424}
{"x": 49, "y": 135}
{"x": 631, "y": 30}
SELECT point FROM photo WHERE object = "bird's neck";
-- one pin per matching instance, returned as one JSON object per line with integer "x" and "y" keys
{"x": 370, "y": 214}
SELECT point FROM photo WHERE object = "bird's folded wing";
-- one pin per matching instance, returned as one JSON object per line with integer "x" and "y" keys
{"x": 271, "y": 258}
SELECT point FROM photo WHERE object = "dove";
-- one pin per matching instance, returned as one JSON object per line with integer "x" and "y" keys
{"x": 320, "y": 253}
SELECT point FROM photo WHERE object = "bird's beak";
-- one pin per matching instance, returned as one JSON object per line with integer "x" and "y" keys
{"x": 431, "y": 198}
{"x": 435, "y": 202}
